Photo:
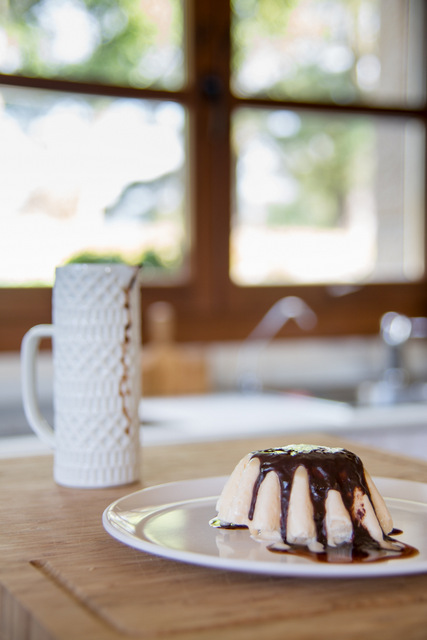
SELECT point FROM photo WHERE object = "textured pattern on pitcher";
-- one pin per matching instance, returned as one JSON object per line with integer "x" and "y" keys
{"x": 97, "y": 377}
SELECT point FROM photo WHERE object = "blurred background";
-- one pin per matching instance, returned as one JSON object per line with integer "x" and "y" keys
{"x": 243, "y": 153}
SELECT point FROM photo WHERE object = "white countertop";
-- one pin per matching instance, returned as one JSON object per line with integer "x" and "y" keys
{"x": 170, "y": 420}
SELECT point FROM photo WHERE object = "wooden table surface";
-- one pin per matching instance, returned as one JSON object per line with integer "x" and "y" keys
{"x": 62, "y": 576}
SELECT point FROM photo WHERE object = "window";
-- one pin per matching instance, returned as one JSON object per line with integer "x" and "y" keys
{"x": 88, "y": 176}
{"x": 324, "y": 198}
{"x": 243, "y": 151}
{"x": 327, "y": 202}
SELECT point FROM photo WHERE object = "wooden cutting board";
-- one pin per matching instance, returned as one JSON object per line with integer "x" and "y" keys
{"x": 62, "y": 576}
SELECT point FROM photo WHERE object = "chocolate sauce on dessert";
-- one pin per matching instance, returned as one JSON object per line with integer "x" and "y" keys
{"x": 327, "y": 469}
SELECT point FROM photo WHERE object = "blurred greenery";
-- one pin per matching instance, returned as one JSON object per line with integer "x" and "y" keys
{"x": 327, "y": 158}
{"x": 94, "y": 258}
{"x": 148, "y": 259}
{"x": 334, "y": 158}
{"x": 120, "y": 34}
{"x": 274, "y": 25}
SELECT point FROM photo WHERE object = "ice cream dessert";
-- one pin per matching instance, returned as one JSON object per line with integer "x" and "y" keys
{"x": 306, "y": 496}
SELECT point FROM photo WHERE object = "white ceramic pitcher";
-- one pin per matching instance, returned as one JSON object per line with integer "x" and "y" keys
{"x": 95, "y": 335}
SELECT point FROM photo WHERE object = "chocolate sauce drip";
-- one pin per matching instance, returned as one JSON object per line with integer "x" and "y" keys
{"x": 363, "y": 552}
{"x": 124, "y": 382}
{"x": 326, "y": 470}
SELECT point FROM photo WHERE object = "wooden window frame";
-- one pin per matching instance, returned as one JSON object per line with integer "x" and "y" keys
{"x": 208, "y": 305}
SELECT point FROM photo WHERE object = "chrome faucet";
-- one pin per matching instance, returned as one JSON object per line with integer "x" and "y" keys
{"x": 394, "y": 385}
{"x": 396, "y": 329}
{"x": 285, "y": 309}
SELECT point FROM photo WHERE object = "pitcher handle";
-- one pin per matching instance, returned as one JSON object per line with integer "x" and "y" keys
{"x": 29, "y": 349}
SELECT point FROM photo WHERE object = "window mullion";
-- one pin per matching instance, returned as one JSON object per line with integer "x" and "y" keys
{"x": 211, "y": 151}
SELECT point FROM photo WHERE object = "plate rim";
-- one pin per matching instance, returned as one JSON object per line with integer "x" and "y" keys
{"x": 198, "y": 487}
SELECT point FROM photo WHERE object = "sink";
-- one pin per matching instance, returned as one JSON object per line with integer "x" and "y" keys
{"x": 233, "y": 414}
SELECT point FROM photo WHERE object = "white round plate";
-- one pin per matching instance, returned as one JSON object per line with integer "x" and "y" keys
{"x": 172, "y": 521}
